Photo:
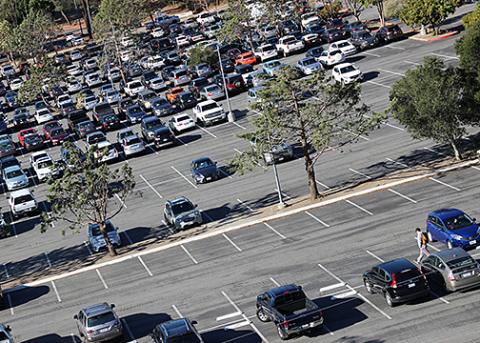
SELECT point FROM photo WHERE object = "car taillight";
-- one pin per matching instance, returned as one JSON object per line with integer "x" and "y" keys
{"x": 285, "y": 324}
{"x": 230, "y": 86}
{"x": 393, "y": 284}
{"x": 209, "y": 94}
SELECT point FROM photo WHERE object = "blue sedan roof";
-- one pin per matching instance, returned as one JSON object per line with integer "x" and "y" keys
{"x": 446, "y": 213}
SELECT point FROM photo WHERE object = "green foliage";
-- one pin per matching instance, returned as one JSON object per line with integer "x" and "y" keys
{"x": 331, "y": 9}
{"x": 468, "y": 48}
{"x": 87, "y": 195}
{"x": 472, "y": 18}
{"x": 379, "y": 4}
{"x": 199, "y": 55}
{"x": 15, "y": 11}
{"x": 425, "y": 12}
{"x": 121, "y": 15}
{"x": 238, "y": 24}
{"x": 332, "y": 116}
{"x": 356, "y": 7}
{"x": 393, "y": 8}
{"x": 435, "y": 102}
{"x": 7, "y": 42}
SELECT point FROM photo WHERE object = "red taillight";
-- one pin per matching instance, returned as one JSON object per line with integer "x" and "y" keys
{"x": 209, "y": 94}
{"x": 393, "y": 284}
{"x": 230, "y": 86}
{"x": 285, "y": 324}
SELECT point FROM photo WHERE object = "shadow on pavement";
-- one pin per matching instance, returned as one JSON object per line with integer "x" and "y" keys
{"x": 223, "y": 335}
{"x": 142, "y": 324}
{"x": 53, "y": 338}
{"x": 25, "y": 224}
{"x": 370, "y": 75}
{"x": 356, "y": 58}
{"x": 186, "y": 139}
{"x": 27, "y": 294}
{"x": 356, "y": 339}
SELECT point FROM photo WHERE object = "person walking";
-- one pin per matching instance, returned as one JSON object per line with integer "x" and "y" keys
{"x": 422, "y": 240}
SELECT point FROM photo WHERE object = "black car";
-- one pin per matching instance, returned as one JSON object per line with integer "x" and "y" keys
{"x": 186, "y": 100}
{"x": 153, "y": 130}
{"x": 135, "y": 114}
{"x": 363, "y": 40}
{"x": 109, "y": 122}
{"x": 317, "y": 28}
{"x": 176, "y": 331}
{"x": 355, "y": 26}
{"x": 315, "y": 52}
{"x": 20, "y": 118}
{"x": 397, "y": 280}
{"x": 83, "y": 128}
{"x": 388, "y": 34}
{"x": 133, "y": 70}
{"x": 33, "y": 142}
{"x": 197, "y": 85}
{"x": 74, "y": 118}
{"x": 332, "y": 35}
{"x": 204, "y": 170}
{"x": 123, "y": 105}
{"x": 228, "y": 66}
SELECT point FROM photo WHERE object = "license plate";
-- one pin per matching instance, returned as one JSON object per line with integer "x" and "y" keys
{"x": 473, "y": 242}
{"x": 305, "y": 326}
{"x": 411, "y": 285}
{"x": 209, "y": 178}
{"x": 103, "y": 330}
{"x": 467, "y": 274}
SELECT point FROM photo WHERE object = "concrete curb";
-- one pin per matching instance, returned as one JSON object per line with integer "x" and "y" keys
{"x": 246, "y": 224}
{"x": 434, "y": 38}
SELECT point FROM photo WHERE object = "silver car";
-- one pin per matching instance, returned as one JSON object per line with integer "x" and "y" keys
{"x": 5, "y": 335}
{"x": 453, "y": 269}
{"x": 14, "y": 178}
{"x": 181, "y": 213}
{"x": 212, "y": 92}
{"x": 96, "y": 239}
{"x": 98, "y": 323}
{"x": 132, "y": 145}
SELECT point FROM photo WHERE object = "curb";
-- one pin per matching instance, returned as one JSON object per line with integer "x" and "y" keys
{"x": 244, "y": 225}
{"x": 435, "y": 38}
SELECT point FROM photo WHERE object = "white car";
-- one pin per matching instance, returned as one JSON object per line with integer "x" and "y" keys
{"x": 126, "y": 55}
{"x": 266, "y": 52}
{"x": 105, "y": 152}
{"x": 212, "y": 31}
{"x": 76, "y": 55}
{"x": 15, "y": 84}
{"x": 93, "y": 79}
{"x": 89, "y": 102}
{"x": 309, "y": 65}
{"x": 344, "y": 46}
{"x": 331, "y": 57}
{"x": 182, "y": 41}
{"x": 113, "y": 74}
{"x": 112, "y": 96}
{"x": 22, "y": 202}
{"x": 73, "y": 85}
{"x": 155, "y": 62}
{"x": 181, "y": 122}
{"x": 346, "y": 73}
{"x": 208, "y": 112}
{"x": 43, "y": 115}
{"x": 205, "y": 18}
{"x": 289, "y": 44}
{"x": 90, "y": 63}
{"x": 44, "y": 168}
{"x": 157, "y": 32}
{"x": 157, "y": 84}
{"x": 126, "y": 41}
{"x": 74, "y": 70}
{"x": 308, "y": 18}
{"x": 134, "y": 87}
{"x": 64, "y": 99}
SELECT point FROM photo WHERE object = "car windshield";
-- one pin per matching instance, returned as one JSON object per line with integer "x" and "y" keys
{"x": 182, "y": 207}
{"x": 309, "y": 61}
{"x": 96, "y": 229}
{"x": 14, "y": 173}
{"x": 135, "y": 110}
{"x": 347, "y": 69}
{"x": 183, "y": 118}
{"x": 160, "y": 102}
{"x": 5, "y": 145}
{"x": 134, "y": 140}
{"x": 57, "y": 132}
{"x": 209, "y": 107}
{"x": 214, "y": 88}
{"x": 23, "y": 199}
{"x": 203, "y": 164}
{"x": 458, "y": 222}
{"x": 45, "y": 164}
{"x": 100, "y": 319}
{"x": 461, "y": 262}
{"x": 109, "y": 118}
{"x": 189, "y": 337}
{"x": 343, "y": 44}
{"x": 32, "y": 138}
{"x": 152, "y": 124}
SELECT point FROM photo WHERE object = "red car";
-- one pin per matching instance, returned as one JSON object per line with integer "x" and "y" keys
{"x": 246, "y": 58}
{"x": 56, "y": 135}
{"x": 21, "y": 134}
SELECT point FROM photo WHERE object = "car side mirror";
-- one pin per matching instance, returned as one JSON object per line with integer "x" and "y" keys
{"x": 194, "y": 322}
{"x": 195, "y": 205}
{"x": 112, "y": 306}
{"x": 474, "y": 219}
{"x": 75, "y": 317}
{"x": 8, "y": 328}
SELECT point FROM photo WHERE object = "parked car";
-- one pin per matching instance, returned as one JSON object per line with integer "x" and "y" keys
{"x": 135, "y": 114}
{"x": 84, "y": 128}
{"x": 398, "y": 281}
{"x": 68, "y": 158}
{"x": 234, "y": 83}
{"x": 212, "y": 92}
{"x": 289, "y": 309}
{"x": 266, "y": 52}
{"x": 98, "y": 323}
{"x": 387, "y": 34}
{"x": 32, "y": 141}
{"x": 161, "y": 107}
{"x": 173, "y": 93}
{"x": 344, "y": 46}
{"x": 453, "y": 227}
{"x": 332, "y": 35}
{"x": 246, "y": 58}
{"x": 154, "y": 131}
{"x": 186, "y": 100}
{"x": 181, "y": 213}
{"x": 330, "y": 58}
{"x": 132, "y": 145}
{"x": 309, "y": 65}
{"x": 346, "y": 73}
{"x": 43, "y": 115}
{"x": 208, "y": 112}
{"x": 180, "y": 123}
{"x": 5, "y": 333}
{"x": 21, "y": 203}
{"x": 272, "y": 67}
{"x": 204, "y": 170}
{"x": 105, "y": 152}
{"x": 133, "y": 88}
{"x": 451, "y": 270}
{"x": 363, "y": 40}
{"x": 97, "y": 241}
{"x": 176, "y": 331}
{"x": 14, "y": 178}
{"x": 20, "y": 117}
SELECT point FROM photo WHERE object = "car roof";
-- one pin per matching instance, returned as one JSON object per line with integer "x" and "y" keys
{"x": 178, "y": 200}
{"x": 451, "y": 254}
{"x": 201, "y": 159}
{"x": 176, "y": 327}
{"x": 343, "y": 65}
{"x": 397, "y": 265}
{"x": 207, "y": 102}
{"x": 103, "y": 144}
{"x": 283, "y": 289}
{"x": 97, "y": 309}
{"x": 20, "y": 192}
{"x": 446, "y": 213}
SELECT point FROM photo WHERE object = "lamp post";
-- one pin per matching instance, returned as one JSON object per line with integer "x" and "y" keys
{"x": 230, "y": 114}
{"x": 269, "y": 158}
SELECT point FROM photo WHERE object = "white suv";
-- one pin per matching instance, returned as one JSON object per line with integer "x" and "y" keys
{"x": 22, "y": 202}
{"x": 208, "y": 112}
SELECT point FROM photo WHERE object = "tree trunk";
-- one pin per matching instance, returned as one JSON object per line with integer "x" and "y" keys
{"x": 456, "y": 150}
{"x": 111, "y": 249}
{"x": 87, "y": 17}
{"x": 381, "y": 13}
{"x": 65, "y": 17}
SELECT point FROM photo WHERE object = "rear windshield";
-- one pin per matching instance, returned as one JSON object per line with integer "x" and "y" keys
{"x": 461, "y": 262}
{"x": 23, "y": 199}
{"x": 100, "y": 319}
{"x": 289, "y": 298}
{"x": 407, "y": 274}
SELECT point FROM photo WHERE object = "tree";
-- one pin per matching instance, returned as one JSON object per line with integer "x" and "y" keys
{"x": 331, "y": 9}
{"x": 238, "y": 24}
{"x": 90, "y": 194}
{"x": 120, "y": 15}
{"x": 435, "y": 102}
{"x": 380, "y": 9}
{"x": 199, "y": 55}
{"x": 356, "y": 7}
{"x": 393, "y": 8}
{"x": 428, "y": 12}
{"x": 330, "y": 116}
{"x": 472, "y": 18}
{"x": 468, "y": 48}
{"x": 7, "y": 43}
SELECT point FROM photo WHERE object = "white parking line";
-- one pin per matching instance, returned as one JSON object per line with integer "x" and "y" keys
{"x": 101, "y": 279}
{"x": 396, "y": 162}
{"x": 244, "y": 204}
{"x": 183, "y": 176}
{"x": 359, "y": 173}
{"x": 359, "y": 207}
{"x": 375, "y": 256}
{"x": 240, "y": 126}
{"x": 275, "y": 282}
{"x": 48, "y": 260}
{"x": 181, "y": 141}
{"x": 188, "y": 254}
{"x": 232, "y": 242}
{"x": 337, "y": 292}
{"x": 370, "y": 54}
{"x": 444, "y": 184}
{"x": 6, "y": 271}
{"x": 378, "y": 84}
{"x": 410, "y": 62}
{"x": 121, "y": 201}
{"x": 206, "y": 131}
{"x": 391, "y": 72}
{"x": 149, "y": 147}
{"x": 151, "y": 187}
{"x": 354, "y": 134}
{"x": 179, "y": 314}
{"x": 317, "y": 219}
{"x": 9, "y": 300}
{"x": 228, "y": 316}
{"x": 56, "y": 291}
{"x": 330, "y": 287}
{"x": 352, "y": 289}
{"x": 278, "y": 233}
{"x": 145, "y": 266}
{"x": 129, "y": 332}
{"x": 238, "y": 337}
{"x": 245, "y": 317}
{"x": 446, "y": 56}
{"x": 393, "y": 47}
{"x": 322, "y": 184}
{"x": 402, "y": 195}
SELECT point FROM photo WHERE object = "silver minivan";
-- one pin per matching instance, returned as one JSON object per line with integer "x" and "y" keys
{"x": 98, "y": 323}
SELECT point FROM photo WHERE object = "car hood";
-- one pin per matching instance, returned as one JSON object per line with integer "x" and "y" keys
{"x": 207, "y": 171}
{"x": 185, "y": 215}
{"x": 469, "y": 231}
{"x": 20, "y": 178}
{"x": 352, "y": 74}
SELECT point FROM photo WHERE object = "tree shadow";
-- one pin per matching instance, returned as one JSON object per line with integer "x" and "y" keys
{"x": 226, "y": 335}
{"x": 23, "y": 225}
{"x": 139, "y": 233}
{"x": 142, "y": 324}
{"x": 239, "y": 114}
{"x": 370, "y": 75}
{"x": 53, "y": 338}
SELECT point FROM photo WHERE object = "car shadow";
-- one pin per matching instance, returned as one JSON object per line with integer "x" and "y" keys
{"x": 226, "y": 335}
{"x": 23, "y": 295}
{"x": 142, "y": 324}
{"x": 370, "y": 75}
{"x": 23, "y": 224}
{"x": 189, "y": 138}
{"x": 139, "y": 233}
{"x": 356, "y": 58}
{"x": 53, "y": 338}
{"x": 239, "y": 114}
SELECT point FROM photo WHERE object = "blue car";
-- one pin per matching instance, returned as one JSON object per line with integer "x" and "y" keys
{"x": 453, "y": 227}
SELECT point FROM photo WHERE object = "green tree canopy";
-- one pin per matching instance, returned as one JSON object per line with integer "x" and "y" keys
{"x": 435, "y": 102}
{"x": 380, "y": 6}
{"x": 331, "y": 116}
{"x": 120, "y": 15}
{"x": 468, "y": 48}
{"x": 94, "y": 193}
{"x": 428, "y": 12}
{"x": 199, "y": 55}
{"x": 472, "y": 18}
{"x": 7, "y": 42}
{"x": 238, "y": 24}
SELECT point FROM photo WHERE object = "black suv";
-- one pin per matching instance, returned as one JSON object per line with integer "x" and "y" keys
{"x": 363, "y": 40}
{"x": 153, "y": 130}
{"x": 397, "y": 280}
{"x": 387, "y": 34}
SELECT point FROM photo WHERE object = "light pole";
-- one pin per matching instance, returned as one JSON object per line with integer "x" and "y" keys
{"x": 230, "y": 115}
{"x": 269, "y": 158}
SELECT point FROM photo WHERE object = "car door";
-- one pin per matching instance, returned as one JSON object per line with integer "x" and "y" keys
{"x": 433, "y": 227}
{"x": 383, "y": 280}
{"x": 441, "y": 275}
{"x": 80, "y": 323}
{"x": 168, "y": 213}
{"x": 266, "y": 305}
{"x": 429, "y": 269}
{"x": 443, "y": 234}
{"x": 373, "y": 279}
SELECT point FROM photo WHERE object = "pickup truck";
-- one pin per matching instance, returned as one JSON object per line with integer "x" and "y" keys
{"x": 288, "y": 45}
{"x": 289, "y": 309}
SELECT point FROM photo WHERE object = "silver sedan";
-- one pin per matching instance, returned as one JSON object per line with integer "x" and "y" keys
{"x": 212, "y": 92}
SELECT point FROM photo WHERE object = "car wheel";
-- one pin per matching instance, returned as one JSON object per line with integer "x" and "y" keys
{"x": 281, "y": 333}
{"x": 166, "y": 219}
{"x": 449, "y": 245}
{"x": 388, "y": 299}
{"x": 368, "y": 286}
{"x": 262, "y": 316}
